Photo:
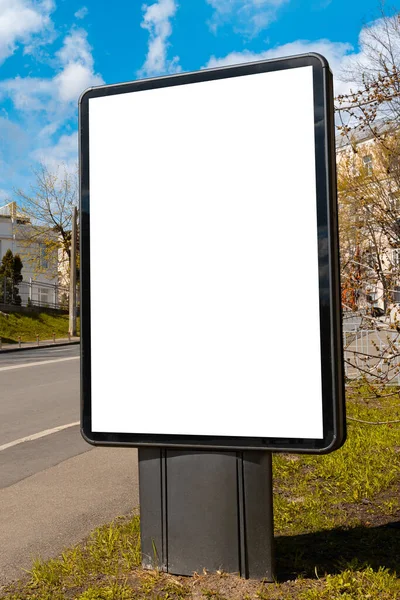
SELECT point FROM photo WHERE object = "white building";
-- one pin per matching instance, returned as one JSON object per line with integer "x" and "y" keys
{"x": 40, "y": 270}
{"x": 369, "y": 210}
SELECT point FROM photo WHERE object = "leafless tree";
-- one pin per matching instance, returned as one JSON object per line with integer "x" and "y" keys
{"x": 45, "y": 212}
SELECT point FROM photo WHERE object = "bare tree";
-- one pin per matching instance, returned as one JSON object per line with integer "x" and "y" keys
{"x": 375, "y": 77}
{"x": 46, "y": 211}
{"x": 369, "y": 201}
{"x": 369, "y": 206}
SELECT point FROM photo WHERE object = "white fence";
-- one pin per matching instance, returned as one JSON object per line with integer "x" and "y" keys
{"x": 373, "y": 354}
{"x": 33, "y": 293}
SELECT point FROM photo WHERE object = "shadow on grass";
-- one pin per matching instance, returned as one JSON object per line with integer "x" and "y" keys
{"x": 333, "y": 550}
{"x": 5, "y": 340}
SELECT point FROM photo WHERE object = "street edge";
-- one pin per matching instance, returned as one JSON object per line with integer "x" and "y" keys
{"x": 6, "y": 350}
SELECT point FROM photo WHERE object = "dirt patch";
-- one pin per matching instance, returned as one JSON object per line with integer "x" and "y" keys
{"x": 382, "y": 510}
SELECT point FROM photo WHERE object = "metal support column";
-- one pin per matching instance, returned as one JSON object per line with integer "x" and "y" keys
{"x": 207, "y": 510}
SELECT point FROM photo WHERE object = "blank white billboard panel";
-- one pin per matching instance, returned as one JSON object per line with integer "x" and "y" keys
{"x": 204, "y": 274}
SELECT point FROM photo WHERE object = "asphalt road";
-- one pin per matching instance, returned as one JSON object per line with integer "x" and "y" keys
{"x": 54, "y": 487}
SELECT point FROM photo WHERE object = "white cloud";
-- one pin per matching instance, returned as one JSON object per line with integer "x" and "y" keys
{"x": 58, "y": 95}
{"x": 378, "y": 43}
{"x": 157, "y": 20}
{"x": 248, "y": 17}
{"x": 76, "y": 48}
{"x": 78, "y": 67}
{"x": 82, "y": 12}
{"x": 75, "y": 78}
{"x": 20, "y": 22}
{"x": 336, "y": 53}
{"x": 46, "y": 108}
{"x": 27, "y": 93}
{"x": 64, "y": 152}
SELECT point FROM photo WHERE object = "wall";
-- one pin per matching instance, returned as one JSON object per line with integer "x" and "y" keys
{"x": 9, "y": 231}
{"x": 6, "y": 237}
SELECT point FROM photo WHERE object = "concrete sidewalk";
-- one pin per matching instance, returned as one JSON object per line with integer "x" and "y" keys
{"x": 42, "y": 344}
{"x": 56, "y": 508}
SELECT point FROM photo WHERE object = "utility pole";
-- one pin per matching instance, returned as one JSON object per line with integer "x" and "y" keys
{"x": 72, "y": 277}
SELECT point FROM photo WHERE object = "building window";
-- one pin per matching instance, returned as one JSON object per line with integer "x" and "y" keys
{"x": 367, "y": 162}
{"x": 396, "y": 257}
{"x": 370, "y": 257}
{"x": 396, "y": 294}
{"x": 43, "y": 261}
{"x": 43, "y": 296}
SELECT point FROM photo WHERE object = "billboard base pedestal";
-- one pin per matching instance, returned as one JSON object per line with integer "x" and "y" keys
{"x": 207, "y": 510}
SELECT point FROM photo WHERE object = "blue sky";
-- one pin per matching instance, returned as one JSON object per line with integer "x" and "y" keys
{"x": 51, "y": 50}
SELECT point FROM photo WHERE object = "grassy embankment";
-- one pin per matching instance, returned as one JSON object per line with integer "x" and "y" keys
{"x": 337, "y": 533}
{"x": 28, "y": 325}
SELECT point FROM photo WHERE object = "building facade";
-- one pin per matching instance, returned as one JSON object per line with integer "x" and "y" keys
{"x": 40, "y": 285}
{"x": 369, "y": 216}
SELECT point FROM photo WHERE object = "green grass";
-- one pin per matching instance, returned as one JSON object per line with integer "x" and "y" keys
{"x": 27, "y": 326}
{"x": 359, "y": 585}
{"x": 110, "y": 552}
{"x": 319, "y": 492}
{"x": 336, "y": 524}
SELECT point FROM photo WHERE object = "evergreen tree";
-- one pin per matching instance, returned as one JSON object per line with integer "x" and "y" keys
{"x": 10, "y": 278}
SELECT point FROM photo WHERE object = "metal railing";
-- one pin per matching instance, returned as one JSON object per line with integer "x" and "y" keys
{"x": 33, "y": 293}
{"x": 372, "y": 354}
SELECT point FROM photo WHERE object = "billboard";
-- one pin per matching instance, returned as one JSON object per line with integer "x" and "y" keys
{"x": 209, "y": 260}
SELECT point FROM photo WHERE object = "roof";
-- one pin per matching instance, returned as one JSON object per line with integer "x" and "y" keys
{"x": 362, "y": 134}
{"x": 10, "y": 210}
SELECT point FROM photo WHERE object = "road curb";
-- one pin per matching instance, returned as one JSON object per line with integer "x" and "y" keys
{"x": 6, "y": 350}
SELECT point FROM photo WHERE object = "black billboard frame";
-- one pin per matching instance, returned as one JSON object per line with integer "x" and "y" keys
{"x": 332, "y": 371}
